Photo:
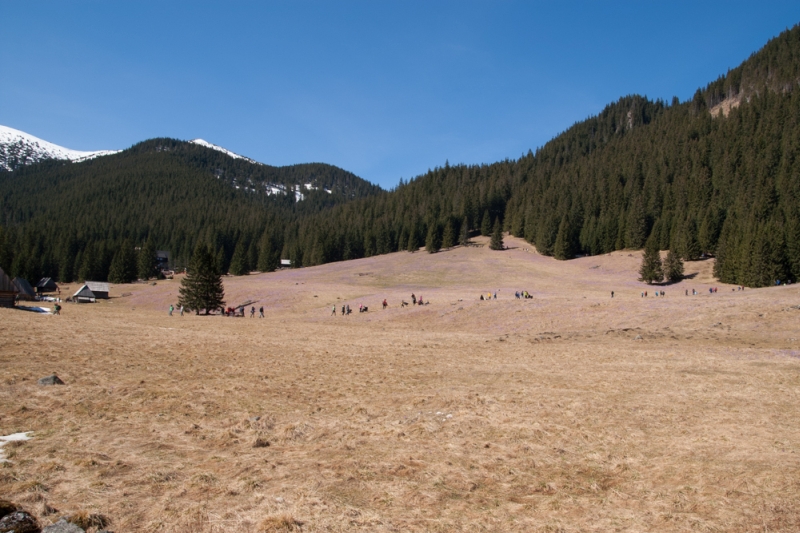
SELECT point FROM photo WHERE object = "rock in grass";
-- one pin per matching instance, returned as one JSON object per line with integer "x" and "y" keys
{"x": 62, "y": 526}
{"x": 51, "y": 380}
{"x": 19, "y": 522}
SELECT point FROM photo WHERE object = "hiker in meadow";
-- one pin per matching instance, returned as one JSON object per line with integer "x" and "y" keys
{"x": 261, "y": 312}
{"x": 348, "y": 308}
{"x": 252, "y": 311}
{"x": 181, "y": 310}
{"x": 56, "y": 309}
{"x": 333, "y": 311}
{"x": 385, "y": 304}
{"x": 482, "y": 298}
{"x": 171, "y": 309}
{"x": 612, "y": 294}
{"x": 342, "y": 310}
{"x": 413, "y": 299}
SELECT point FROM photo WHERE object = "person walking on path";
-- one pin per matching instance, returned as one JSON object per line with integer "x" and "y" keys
{"x": 171, "y": 309}
{"x": 333, "y": 311}
{"x": 181, "y": 310}
{"x": 252, "y": 311}
{"x": 261, "y": 311}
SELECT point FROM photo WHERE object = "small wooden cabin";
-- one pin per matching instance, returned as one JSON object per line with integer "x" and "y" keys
{"x": 99, "y": 288}
{"x": 84, "y": 295}
{"x": 8, "y": 291}
{"x": 26, "y": 291}
{"x": 46, "y": 285}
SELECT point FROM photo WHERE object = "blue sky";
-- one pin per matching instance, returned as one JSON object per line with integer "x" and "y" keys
{"x": 383, "y": 89}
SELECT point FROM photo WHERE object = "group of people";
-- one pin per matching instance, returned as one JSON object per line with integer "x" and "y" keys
{"x": 644, "y": 294}
{"x": 488, "y": 296}
{"x": 172, "y": 309}
{"x": 363, "y": 308}
{"x": 523, "y": 294}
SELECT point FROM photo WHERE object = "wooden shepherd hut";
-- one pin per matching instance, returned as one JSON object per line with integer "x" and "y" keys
{"x": 8, "y": 291}
{"x": 26, "y": 292}
{"x": 46, "y": 285}
{"x": 84, "y": 295}
{"x": 99, "y": 288}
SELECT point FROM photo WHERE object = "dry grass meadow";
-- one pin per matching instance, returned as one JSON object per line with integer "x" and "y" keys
{"x": 571, "y": 411}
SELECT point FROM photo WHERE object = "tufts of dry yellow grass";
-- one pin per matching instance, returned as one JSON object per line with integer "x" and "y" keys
{"x": 462, "y": 415}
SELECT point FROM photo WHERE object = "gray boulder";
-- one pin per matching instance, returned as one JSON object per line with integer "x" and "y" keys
{"x": 62, "y": 526}
{"x": 51, "y": 380}
{"x": 19, "y": 522}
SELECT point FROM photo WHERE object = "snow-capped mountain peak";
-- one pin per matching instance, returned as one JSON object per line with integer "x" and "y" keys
{"x": 18, "y": 148}
{"x": 201, "y": 142}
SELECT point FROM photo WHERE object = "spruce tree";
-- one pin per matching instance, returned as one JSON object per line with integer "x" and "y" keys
{"x": 146, "y": 262}
{"x": 486, "y": 224}
{"x": 463, "y": 237}
{"x": 201, "y": 288}
{"x": 238, "y": 265}
{"x": 673, "y": 267}
{"x": 413, "y": 239}
{"x": 651, "y": 269}
{"x": 433, "y": 242}
{"x": 497, "y": 236}
{"x": 267, "y": 253}
{"x": 123, "y": 266}
{"x": 449, "y": 235}
{"x": 562, "y": 249}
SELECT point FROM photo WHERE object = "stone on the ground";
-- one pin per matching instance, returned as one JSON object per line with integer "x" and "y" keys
{"x": 19, "y": 522}
{"x": 62, "y": 526}
{"x": 51, "y": 380}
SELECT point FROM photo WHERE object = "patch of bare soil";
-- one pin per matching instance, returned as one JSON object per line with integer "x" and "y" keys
{"x": 569, "y": 411}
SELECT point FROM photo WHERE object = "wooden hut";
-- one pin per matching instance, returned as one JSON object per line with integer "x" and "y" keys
{"x": 8, "y": 291}
{"x": 26, "y": 291}
{"x": 46, "y": 285}
{"x": 99, "y": 288}
{"x": 84, "y": 295}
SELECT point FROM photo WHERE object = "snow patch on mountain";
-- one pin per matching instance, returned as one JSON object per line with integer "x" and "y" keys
{"x": 201, "y": 142}
{"x": 18, "y": 148}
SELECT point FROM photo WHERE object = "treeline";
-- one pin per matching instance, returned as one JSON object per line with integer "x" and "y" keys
{"x": 665, "y": 172}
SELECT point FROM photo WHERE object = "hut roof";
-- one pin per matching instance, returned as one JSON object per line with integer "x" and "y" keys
{"x": 6, "y": 284}
{"x": 97, "y": 286}
{"x": 47, "y": 284}
{"x": 24, "y": 287}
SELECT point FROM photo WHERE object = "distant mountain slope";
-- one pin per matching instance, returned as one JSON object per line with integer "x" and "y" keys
{"x": 18, "y": 148}
{"x": 170, "y": 191}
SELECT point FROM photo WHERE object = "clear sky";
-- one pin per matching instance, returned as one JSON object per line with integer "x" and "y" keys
{"x": 384, "y": 89}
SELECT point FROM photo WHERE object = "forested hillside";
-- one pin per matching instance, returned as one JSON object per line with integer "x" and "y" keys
{"x": 694, "y": 177}
{"x": 724, "y": 186}
{"x": 68, "y": 220}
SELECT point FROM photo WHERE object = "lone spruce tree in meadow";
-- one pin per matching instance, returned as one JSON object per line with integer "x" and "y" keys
{"x": 673, "y": 267}
{"x": 497, "y": 236}
{"x": 651, "y": 269}
{"x": 202, "y": 286}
